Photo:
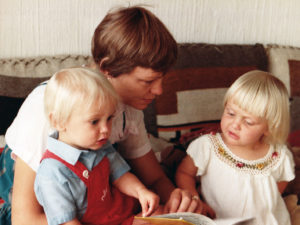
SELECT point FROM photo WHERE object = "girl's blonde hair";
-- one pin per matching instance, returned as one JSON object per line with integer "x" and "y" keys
{"x": 76, "y": 87}
{"x": 263, "y": 95}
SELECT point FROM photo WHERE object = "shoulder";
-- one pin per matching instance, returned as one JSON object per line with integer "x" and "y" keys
{"x": 52, "y": 169}
{"x": 132, "y": 113}
{"x": 27, "y": 135}
{"x": 201, "y": 145}
{"x": 201, "y": 140}
{"x": 283, "y": 168}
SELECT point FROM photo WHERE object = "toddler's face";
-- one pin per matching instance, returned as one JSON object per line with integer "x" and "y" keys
{"x": 242, "y": 129}
{"x": 88, "y": 128}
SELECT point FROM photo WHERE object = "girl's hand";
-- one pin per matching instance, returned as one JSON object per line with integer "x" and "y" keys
{"x": 149, "y": 201}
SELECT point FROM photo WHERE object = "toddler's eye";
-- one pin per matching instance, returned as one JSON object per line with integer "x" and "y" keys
{"x": 110, "y": 117}
{"x": 94, "y": 122}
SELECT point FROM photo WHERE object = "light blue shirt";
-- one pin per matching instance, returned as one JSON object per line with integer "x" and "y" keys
{"x": 62, "y": 193}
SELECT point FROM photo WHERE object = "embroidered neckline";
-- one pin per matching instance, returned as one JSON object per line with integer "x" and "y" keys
{"x": 225, "y": 156}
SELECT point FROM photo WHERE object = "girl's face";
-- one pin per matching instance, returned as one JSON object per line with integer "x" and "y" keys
{"x": 139, "y": 87}
{"x": 88, "y": 128}
{"x": 242, "y": 129}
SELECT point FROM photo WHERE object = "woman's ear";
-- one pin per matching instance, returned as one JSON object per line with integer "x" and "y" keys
{"x": 105, "y": 72}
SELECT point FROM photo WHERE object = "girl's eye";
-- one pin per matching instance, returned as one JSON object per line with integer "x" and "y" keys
{"x": 230, "y": 113}
{"x": 248, "y": 122}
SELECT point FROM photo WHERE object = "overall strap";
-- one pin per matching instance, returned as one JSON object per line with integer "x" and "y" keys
{"x": 79, "y": 169}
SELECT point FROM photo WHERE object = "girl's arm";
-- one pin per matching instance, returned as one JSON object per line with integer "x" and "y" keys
{"x": 186, "y": 179}
{"x": 151, "y": 174}
{"x": 25, "y": 208}
{"x": 281, "y": 186}
{"x": 186, "y": 175}
{"x": 130, "y": 185}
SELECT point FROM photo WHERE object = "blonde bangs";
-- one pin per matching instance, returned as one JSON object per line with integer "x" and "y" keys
{"x": 263, "y": 95}
{"x": 76, "y": 87}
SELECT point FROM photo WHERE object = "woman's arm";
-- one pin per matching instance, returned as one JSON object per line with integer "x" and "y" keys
{"x": 25, "y": 208}
{"x": 151, "y": 174}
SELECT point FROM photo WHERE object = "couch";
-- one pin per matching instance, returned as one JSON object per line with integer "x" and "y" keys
{"x": 191, "y": 104}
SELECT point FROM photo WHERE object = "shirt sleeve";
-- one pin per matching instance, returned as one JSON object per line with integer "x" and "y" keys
{"x": 136, "y": 143}
{"x": 286, "y": 169}
{"x": 200, "y": 150}
{"x": 53, "y": 192}
{"x": 27, "y": 135}
{"x": 118, "y": 166}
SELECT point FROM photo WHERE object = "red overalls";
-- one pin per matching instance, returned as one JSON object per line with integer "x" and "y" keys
{"x": 106, "y": 204}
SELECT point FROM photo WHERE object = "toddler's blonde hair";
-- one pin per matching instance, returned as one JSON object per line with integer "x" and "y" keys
{"x": 262, "y": 94}
{"x": 76, "y": 87}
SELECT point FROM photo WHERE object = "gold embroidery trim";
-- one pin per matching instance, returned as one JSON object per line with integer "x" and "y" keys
{"x": 257, "y": 166}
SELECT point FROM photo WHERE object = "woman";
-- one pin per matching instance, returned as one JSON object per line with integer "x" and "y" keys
{"x": 134, "y": 50}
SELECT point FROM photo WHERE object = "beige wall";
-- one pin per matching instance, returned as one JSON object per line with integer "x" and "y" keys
{"x": 49, "y": 27}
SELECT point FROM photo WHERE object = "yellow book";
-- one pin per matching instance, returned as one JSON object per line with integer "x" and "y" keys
{"x": 165, "y": 221}
{"x": 183, "y": 218}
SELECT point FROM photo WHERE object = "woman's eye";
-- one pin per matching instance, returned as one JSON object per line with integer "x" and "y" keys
{"x": 148, "y": 82}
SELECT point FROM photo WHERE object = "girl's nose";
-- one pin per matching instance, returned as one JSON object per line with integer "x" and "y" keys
{"x": 236, "y": 123}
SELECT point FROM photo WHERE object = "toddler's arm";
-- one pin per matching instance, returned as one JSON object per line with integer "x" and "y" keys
{"x": 72, "y": 222}
{"x": 129, "y": 184}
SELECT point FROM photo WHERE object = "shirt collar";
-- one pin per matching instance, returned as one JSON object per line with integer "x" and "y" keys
{"x": 63, "y": 150}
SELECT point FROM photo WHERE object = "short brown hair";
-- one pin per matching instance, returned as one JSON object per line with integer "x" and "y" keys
{"x": 131, "y": 37}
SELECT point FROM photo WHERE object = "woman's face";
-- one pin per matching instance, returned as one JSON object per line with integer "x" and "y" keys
{"x": 139, "y": 87}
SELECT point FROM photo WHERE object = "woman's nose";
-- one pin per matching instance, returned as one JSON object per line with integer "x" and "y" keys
{"x": 156, "y": 88}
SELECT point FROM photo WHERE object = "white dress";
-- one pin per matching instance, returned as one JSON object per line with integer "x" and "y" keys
{"x": 235, "y": 187}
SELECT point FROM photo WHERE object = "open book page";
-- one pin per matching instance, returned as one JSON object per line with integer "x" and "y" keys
{"x": 186, "y": 218}
{"x": 235, "y": 221}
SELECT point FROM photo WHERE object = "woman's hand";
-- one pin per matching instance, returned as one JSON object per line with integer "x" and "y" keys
{"x": 203, "y": 208}
{"x": 180, "y": 201}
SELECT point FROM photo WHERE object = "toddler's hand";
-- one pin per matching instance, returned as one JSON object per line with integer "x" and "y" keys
{"x": 149, "y": 201}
